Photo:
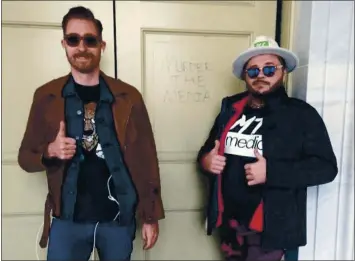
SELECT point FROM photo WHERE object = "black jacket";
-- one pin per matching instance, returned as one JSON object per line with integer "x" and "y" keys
{"x": 298, "y": 153}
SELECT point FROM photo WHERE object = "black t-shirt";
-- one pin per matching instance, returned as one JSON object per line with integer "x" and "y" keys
{"x": 92, "y": 203}
{"x": 243, "y": 137}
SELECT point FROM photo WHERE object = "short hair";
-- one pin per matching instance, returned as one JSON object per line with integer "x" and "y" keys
{"x": 80, "y": 12}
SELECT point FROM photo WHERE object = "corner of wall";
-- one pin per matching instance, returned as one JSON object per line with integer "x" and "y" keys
{"x": 286, "y": 33}
{"x": 293, "y": 25}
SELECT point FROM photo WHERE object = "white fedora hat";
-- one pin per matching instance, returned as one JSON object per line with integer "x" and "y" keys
{"x": 264, "y": 45}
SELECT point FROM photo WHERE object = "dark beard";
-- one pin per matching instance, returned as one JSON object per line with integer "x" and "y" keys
{"x": 260, "y": 100}
{"x": 88, "y": 67}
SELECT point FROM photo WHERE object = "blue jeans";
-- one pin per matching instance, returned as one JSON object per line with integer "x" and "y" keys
{"x": 74, "y": 241}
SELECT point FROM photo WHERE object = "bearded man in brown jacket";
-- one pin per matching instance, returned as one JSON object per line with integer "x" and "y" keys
{"x": 92, "y": 136}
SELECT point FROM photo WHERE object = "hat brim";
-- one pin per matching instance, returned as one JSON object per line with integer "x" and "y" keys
{"x": 290, "y": 58}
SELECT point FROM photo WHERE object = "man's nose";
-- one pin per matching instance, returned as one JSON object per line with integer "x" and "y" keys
{"x": 261, "y": 75}
{"x": 81, "y": 45}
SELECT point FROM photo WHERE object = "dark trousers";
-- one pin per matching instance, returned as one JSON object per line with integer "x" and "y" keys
{"x": 74, "y": 241}
{"x": 251, "y": 251}
{"x": 239, "y": 243}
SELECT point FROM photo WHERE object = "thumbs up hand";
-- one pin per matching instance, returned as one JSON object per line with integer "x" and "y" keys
{"x": 62, "y": 148}
{"x": 61, "y": 132}
{"x": 256, "y": 172}
{"x": 213, "y": 162}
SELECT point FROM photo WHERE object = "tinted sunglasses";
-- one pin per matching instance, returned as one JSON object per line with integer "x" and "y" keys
{"x": 90, "y": 41}
{"x": 268, "y": 71}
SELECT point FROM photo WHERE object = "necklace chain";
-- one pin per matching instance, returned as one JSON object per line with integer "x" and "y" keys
{"x": 256, "y": 106}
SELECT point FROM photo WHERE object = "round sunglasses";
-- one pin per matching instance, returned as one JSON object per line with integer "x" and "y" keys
{"x": 268, "y": 71}
{"x": 90, "y": 41}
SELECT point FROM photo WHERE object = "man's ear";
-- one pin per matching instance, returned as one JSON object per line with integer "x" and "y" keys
{"x": 103, "y": 46}
{"x": 63, "y": 43}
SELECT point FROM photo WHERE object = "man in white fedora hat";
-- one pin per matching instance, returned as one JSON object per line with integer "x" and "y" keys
{"x": 261, "y": 154}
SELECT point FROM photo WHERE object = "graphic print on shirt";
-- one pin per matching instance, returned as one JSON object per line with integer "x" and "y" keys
{"x": 244, "y": 136}
{"x": 90, "y": 138}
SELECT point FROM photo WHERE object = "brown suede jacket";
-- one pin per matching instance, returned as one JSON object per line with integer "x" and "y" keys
{"x": 134, "y": 132}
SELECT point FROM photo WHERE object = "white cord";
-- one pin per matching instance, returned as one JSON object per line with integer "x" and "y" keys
{"x": 37, "y": 237}
{"x": 112, "y": 198}
{"x": 94, "y": 245}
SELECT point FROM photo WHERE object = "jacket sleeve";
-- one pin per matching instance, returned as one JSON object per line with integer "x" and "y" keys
{"x": 318, "y": 164}
{"x": 33, "y": 143}
{"x": 151, "y": 209}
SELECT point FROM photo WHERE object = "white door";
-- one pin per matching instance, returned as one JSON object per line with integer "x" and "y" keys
{"x": 179, "y": 54}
